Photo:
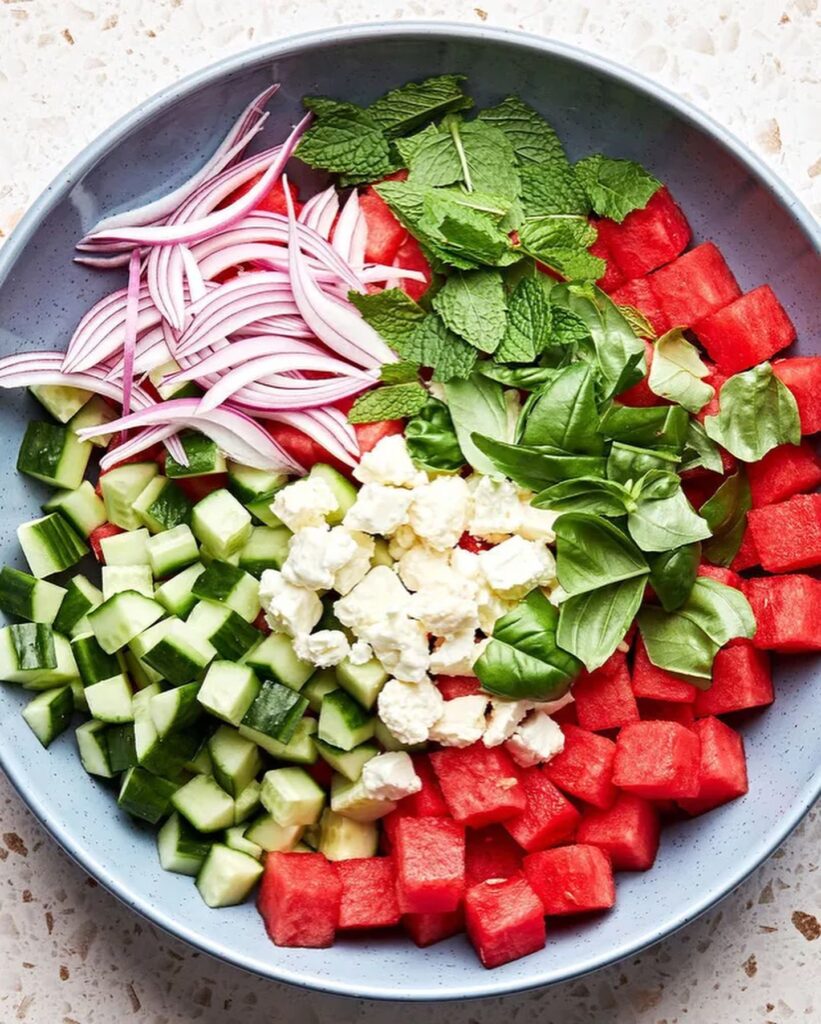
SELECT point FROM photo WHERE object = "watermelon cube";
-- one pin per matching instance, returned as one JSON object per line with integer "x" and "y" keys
{"x": 722, "y": 770}
{"x": 504, "y": 919}
{"x": 628, "y": 832}
{"x": 604, "y": 699}
{"x": 640, "y": 395}
{"x": 787, "y": 470}
{"x": 452, "y": 687}
{"x": 720, "y": 574}
{"x": 787, "y": 536}
{"x": 648, "y": 238}
{"x": 584, "y": 768}
{"x": 612, "y": 276}
{"x": 571, "y": 879}
{"x": 384, "y": 232}
{"x": 787, "y": 611}
{"x": 746, "y": 557}
{"x": 490, "y": 853}
{"x": 299, "y": 899}
{"x": 429, "y": 854}
{"x": 716, "y": 379}
{"x": 426, "y": 929}
{"x": 549, "y": 817}
{"x": 657, "y": 760}
{"x": 802, "y": 375}
{"x": 368, "y": 435}
{"x": 640, "y": 296}
{"x": 747, "y": 331}
{"x": 655, "y": 683}
{"x": 368, "y": 893}
{"x": 409, "y": 256}
{"x": 666, "y": 711}
{"x": 741, "y": 680}
{"x": 428, "y": 802}
{"x": 694, "y": 285}
{"x": 480, "y": 785}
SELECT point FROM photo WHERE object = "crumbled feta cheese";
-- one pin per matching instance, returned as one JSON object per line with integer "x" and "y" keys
{"x": 550, "y": 707}
{"x": 491, "y": 608}
{"x": 536, "y": 740}
{"x": 315, "y": 556}
{"x": 304, "y": 503}
{"x": 504, "y": 716}
{"x": 379, "y": 509}
{"x": 514, "y": 567}
{"x": 388, "y": 462}
{"x": 288, "y": 609}
{"x": 439, "y": 511}
{"x": 445, "y": 610}
{"x": 401, "y": 541}
{"x": 457, "y": 655}
{"x": 461, "y": 722}
{"x": 378, "y": 593}
{"x": 359, "y": 564}
{"x": 421, "y": 566}
{"x": 390, "y": 776}
{"x": 361, "y": 653}
{"x": 325, "y": 648}
{"x": 401, "y": 645}
{"x": 536, "y": 523}
{"x": 496, "y": 508}
{"x": 408, "y": 710}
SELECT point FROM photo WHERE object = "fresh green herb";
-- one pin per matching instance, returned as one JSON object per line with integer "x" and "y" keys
{"x": 472, "y": 304}
{"x": 477, "y": 406}
{"x": 389, "y": 403}
{"x": 345, "y": 140}
{"x": 699, "y": 451}
{"x": 392, "y": 314}
{"x": 528, "y": 324}
{"x": 533, "y": 140}
{"x": 550, "y": 191}
{"x": 726, "y": 515}
{"x": 567, "y": 329}
{"x": 642, "y": 327}
{"x": 587, "y": 494}
{"x": 537, "y": 467}
{"x": 663, "y": 521}
{"x": 592, "y": 552}
{"x": 628, "y": 464}
{"x": 592, "y": 625}
{"x": 526, "y": 378}
{"x": 673, "y": 573}
{"x": 431, "y": 439}
{"x": 561, "y": 243}
{"x": 399, "y": 373}
{"x": 432, "y": 344}
{"x": 405, "y": 109}
{"x": 616, "y": 187}
{"x": 660, "y": 426}
{"x": 677, "y": 372}
{"x": 564, "y": 414}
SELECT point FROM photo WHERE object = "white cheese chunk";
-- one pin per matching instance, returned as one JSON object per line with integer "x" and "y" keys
{"x": 516, "y": 566}
{"x": 379, "y": 509}
{"x": 358, "y": 566}
{"x": 288, "y": 609}
{"x": 388, "y": 462}
{"x": 496, "y": 508}
{"x": 461, "y": 722}
{"x": 504, "y": 717}
{"x": 401, "y": 645}
{"x": 304, "y": 503}
{"x": 457, "y": 655}
{"x": 390, "y": 776}
{"x": 536, "y": 740}
{"x": 439, "y": 511}
{"x": 378, "y": 593}
{"x": 325, "y": 648}
{"x": 445, "y": 610}
{"x": 316, "y": 554}
{"x": 408, "y": 710}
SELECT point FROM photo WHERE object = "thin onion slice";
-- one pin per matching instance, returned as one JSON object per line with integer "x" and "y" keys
{"x": 130, "y": 339}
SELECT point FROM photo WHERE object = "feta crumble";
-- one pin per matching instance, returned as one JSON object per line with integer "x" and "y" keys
{"x": 379, "y": 593}
{"x": 315, "y": 556}
{"x": 379, "y": 509}
{"x": 504, "y": 717}
{"x": 461, "y": 723}
{"x": 388, "y": 462}
{"x": 361, "y": 653}
{"x": 439, "y": 511}
{"x": 305, "y": 502}
{"x": 409, "y": 709}
{"x": 535, "y": 740}
{"x": 390, "y": 776}
{"x": 325, "y": 648}
{"x": 497, "y": 509}
{"x": 516, "y": 566}
{"x": 288, "y": 609}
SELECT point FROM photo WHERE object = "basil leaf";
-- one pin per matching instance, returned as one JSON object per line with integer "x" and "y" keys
{"x": 392, "y": 402}
{"x": 673, "y": 573}
{"x": 660, "y": 426}
{"x": 523, "y": 660}
{"x": 666, "y": 522}
{"x": 591, "y": 553}
{"x": 525, "y": 378}
{"x": 676, "y": 372}
{"x": 700, "y": 451}
{"x": 726, "y": 515}
{"x": 431, "y": 439}
{"x": 527, "y": 329}
{"x": 472, "y": 304}
{"x": 564, "y": 415}
{"x": 586, "y": 494}
{"x": 404, "y": 109}
{"x": 616, "y": 187}
{"x": 722, "y": 612}
{"x": 535, "y": 467}
{"x": 758, "y": 413}
{"x": 628, "y": 464}
{"x": 477, "y": 406}
{"x": 592, "y": 625}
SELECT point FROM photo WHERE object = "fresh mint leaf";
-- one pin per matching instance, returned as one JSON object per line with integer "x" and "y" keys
{"x": 591, "y": 552}
{"x": 528, "y": 324}
{"x": 345, "y": 140}
{"x": 477, "y": 406}
{"x": 393, "y": 315}
{"x": 666, "y": 522}
{"x": 564, "y": 415}
{"x": 550, "y": 190}
{"x": 472, "y": 304}
{"x": 402, "y": 110}
{"x": 758, "y": 413}
{"x": 431, "y": 439}
{"x": 560, "y": 242}
{"x": 567, "y": 328}
{"x": 399, "y": 373}
{"x": 593, "y": 624}
{"x": 432, "y": 344}
{"x": 659, "y": 426}
{"x": 673, "y": 573}
{"x": 467, "y": 237}
{"x": 615, "y": 187}
{"x": 393, "y": 402}
{"x": 677, "y": 372}
{"x": 487, "y": 156}
{"x": 537, "y": 467}
{"x": 726, "y": 515}
{"x": 431, "y": 158}
{"x": 592, "y": 495}
{"x": 533, "y": 140}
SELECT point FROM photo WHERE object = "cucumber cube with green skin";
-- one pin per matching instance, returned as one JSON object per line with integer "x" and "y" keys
{"x": 262, "y": 513}
{"x": 126, "y": 548}
{"x": 27, "y": 597}
{"x": 267, "y": 548}
{"x": 204, "y": 458}
{"x": 275, "y": 659}
{"x": 81, "y": 507}
{"x": 51, "y": 650}
{"x": 342, "y": 838}
{"x": 81, "y": 597}
{"x": 54, "y": 455}
{"x": 163, "y": 505}
{"x": 144, "y": 795}
{"x": 342, "y": 488}
{"x": 33, "y": 644}
{"x": 247, "y": 803}
{"x": 121, "y": 746}
{"x": 200, "y": 763}
{"x": 292, "y": 797}
{"x": 204, "y": 804}
{"x": 95, "y": 413}
{"x": 93, "y": 748}
{"x": 181, "y": 848}
{"x": 353, "y": 801}
{"x": 175, "y": 709}
{"x": 276, "y": 711}
{"x": 221, "y": 524}
{"x": 110, "y": 700}
{"x": 235, "y": 839}
{"x": 229, "y": 633}
{"x": 173, "y": 550}
{"x": 49, "y": 713}
{"x": 167, "y": 755}
{"x": 121, "y": 487}
{"x": 249, "y": 484}
{"x": 227, "y": 876}
{"x": 343, "y": 722}
{"x": 236, "y": 760}
{"x": 180, "y": 655}
{"x": 79, "y": 694}
{"x": 347, "y": 762}
{"x": 301, "y": 748}
{"x": 322, "y": 682}
{"x": 228, "y": 690}
{"x": 231, "y": 587}
{"x": 117, "y": 579}
{"x": 60, "y": 400}
{"x": 362, "y": 682}
{"x": 93, "y": 663}
{"x": 50, "y": 545}
{"x": 176, "y": 594}
{"x": 123, "y": 617}
{"x": 272, "y": 837}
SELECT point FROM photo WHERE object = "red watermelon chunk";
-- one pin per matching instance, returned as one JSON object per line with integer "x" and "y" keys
{"x": 427, "y": 929}
{"x": 428, "y": 802}
{"x": 571, "y": 879}
{"x": 802, "y": 375}
{"x": 98, "y": 535}
{"x": 549, "y": 817}
{"x": 787, "y": 610}
{"x": 746, "y": 556}
{"x": 787, "y": 536}
{"x": 452, "y": 687}
{"x": 640, "y": 296}
{"x": 640, "y": 395}
{"x": 409, "y": 256}
{"x": 657, "y": 684}
{"x": 299, "y": 899}
{"x": 612, "y": 276}
{"x": 604, "y": 699}
{"x": 728, "y": 577}
{"x": 741, "y": 680}
{"x": 385, "y": 233}
{"x": 722, "y": 773}
{"x": 657, "y": 760}
{"x": 628, "y": 832}
{"x": 480, "y": 785}
{"x": 648, "y": 238}
{"x": 666, "y": 711}
{"x": 505, "y": 920}
{"x": 429, "y": 855}
{"x": 368, "y": 893}
{"x": 693, "y": 286}
{"x": 783, "y": 472}
{"x": 584, "y": 768}
{"x": 490, "y": 853}
{"x": 716, "y": 379}
{"x": 747, "y": 331}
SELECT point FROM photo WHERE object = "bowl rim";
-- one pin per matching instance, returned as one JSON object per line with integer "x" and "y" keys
{"x": 58, "y": 188}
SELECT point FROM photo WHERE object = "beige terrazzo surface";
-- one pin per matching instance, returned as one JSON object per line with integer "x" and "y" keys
{"x": 69, "y": 952}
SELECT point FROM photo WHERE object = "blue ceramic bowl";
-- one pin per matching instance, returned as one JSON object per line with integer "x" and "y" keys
{"x": 728, "y": 195}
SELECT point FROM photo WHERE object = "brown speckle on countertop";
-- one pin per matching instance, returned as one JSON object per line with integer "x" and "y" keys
{"x": 750, "y": 966}
{"x": 807, "y": 924}
{"x": 15, "y": 843}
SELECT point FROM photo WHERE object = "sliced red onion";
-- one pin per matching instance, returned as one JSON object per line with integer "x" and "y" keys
{"x": 359, "y": 242}
{"x": 228, "y": 355}
{"x": 150, "y": 352}
{"x": 193, "y": 275}
{"x": 176, "y": 449}
{"x": 132, "y": 309}
{"x": 104, "y": 262}
{"x": 33, "y": 368}
{"x": 345, "y": 226}
{"x": 337, "y": 421}
{"x": 319, "y": 212}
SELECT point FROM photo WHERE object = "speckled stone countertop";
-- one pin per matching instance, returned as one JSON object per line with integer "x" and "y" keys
{"x": 69, "y": 952}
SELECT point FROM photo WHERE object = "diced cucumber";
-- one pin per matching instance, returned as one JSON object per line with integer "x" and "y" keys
{"x": 235, "y": 759}
{"x": 270, "y": 836}
{"x": 362, "y": 682}
{"x": 54, "y": 455}
{"x": 247, "y": 803}
{"x": 235, "y": 839}
{"x": 95, "y": 413}
{"x": 347, "y": 762}
{"x": 176, "y": 594}
{"x": 181, "y": 655}
{"x": 175, "y": 709}
{"x": 204, "y": 804}
{"x": 93, "y": 663}
{"x": 33, "y": 644}
{"x": 200, "y": 764}
{"x": 227, "y": 876}
{"x": 262, "y": 513}
{"x": 342, "y": 838}
{"x": 122, "y": 617}
{"x": 343, "y": 722}
{"x": 172, "y": 550}
{"x": 60, "y": 400}
{"x": 310, "y": 837}
{"x": 141, "y": 674}
{"x": 248, "y": 484}
{"x": 388, "y": 741}
{"x": 353, "y": 801}
{"x": 204, "y": 458}
{"x": 229, "y": 633}
{"x": 275, "y": 659}
{"x": 81, "y": 507}
{"x": 230, "y": 586}
{"x": 162, "y": 505}
{"x": 32, "y": 654}
{"x": 321, "y": 683}
{"x": 343, "y": 490}
{"x": 162, "y": 755}
{"x": 49, "y": 713}
{"x": 29, "y": 598}
{"x": 266, "y": 548}
{"x": 79, "y": 694}
{"x": 228, "y": 690}
{"x": 208, "y": 558}
{"x": 110, "y": 700}
{"x": 50, "y": 545}
{"x": 121, "y": 487}
{"x": 93, "y": 748}
{"x": 81, "y": 598}
{"x": 291, "y": 796}
{"x": 145, "y": 795}
{"x": 187, "y": 389}
{"x": 300, "y": 750}
{"x": 221, "y": 524}
{"x": 180, "y": 847}
{"x": 381, "y": 555}
{"x": 276, "y": 711}
{"x": 118, "y": 579}
{"x": 129, "y": 548}
{"x": 121, "y": 746}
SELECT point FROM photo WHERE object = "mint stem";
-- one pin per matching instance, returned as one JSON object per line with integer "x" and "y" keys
{"x": 455, "y": 134}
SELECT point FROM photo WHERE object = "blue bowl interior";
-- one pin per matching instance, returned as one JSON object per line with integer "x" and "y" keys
{"x": 42, "y": 295}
